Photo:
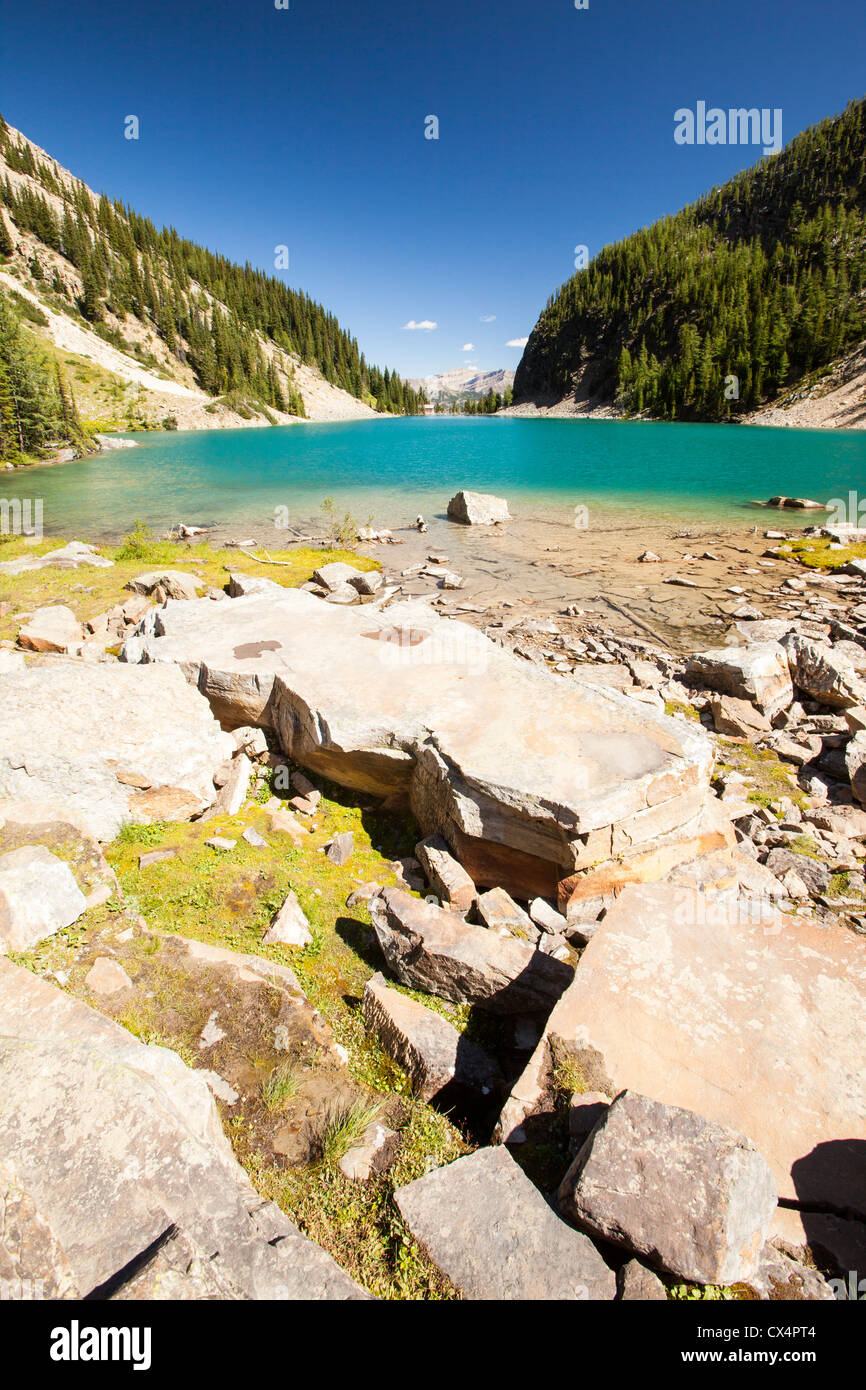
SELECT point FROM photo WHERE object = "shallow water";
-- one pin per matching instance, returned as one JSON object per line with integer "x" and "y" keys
{"x": 386, "y": 471}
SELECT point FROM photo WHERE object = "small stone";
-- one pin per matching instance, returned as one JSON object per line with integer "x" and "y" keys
{"x": 155, "y": 856}
{"x": 448, "y": 879}
{"x": 290, "y": 926}
{"x": 341, "y": 848}
{"x": 211, "y": 1034}
{"x": 373, "y": 1154}
{"x": 107, "y": 976}
{"x": 638, "y": 1284}
{"x": 252, "y": 837}
{"x": 546, "y": 917}
{"x": 220, "y": 842}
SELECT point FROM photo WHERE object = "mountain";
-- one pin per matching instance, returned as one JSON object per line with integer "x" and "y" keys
{"x": 131, "y": 327}
{"x": 463, "y": 383}
{"x": 710, "y": 313}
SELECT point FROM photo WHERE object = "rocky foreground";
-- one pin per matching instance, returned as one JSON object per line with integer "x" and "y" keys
{"x": 623, "y": 954}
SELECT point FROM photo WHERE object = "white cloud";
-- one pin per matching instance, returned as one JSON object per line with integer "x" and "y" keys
{"x": 427, "y": 324}
{"x": 517, "y": 342}
{"x": 488, "y": 318}
{"x": 468, "y": 347}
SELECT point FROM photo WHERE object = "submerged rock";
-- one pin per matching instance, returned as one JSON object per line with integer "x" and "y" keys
{"x": 478, "y": 509}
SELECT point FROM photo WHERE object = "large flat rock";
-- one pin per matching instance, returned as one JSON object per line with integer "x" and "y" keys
{"x": 491, "y": 1232}
{"x": 514, "y": 766}
{"x": 109, "y": 1146}
{"x": 703, "y": 998}
{"x": 110, "y": 743}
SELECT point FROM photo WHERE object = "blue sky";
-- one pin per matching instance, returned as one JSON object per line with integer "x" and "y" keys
{"x": 305, "y": 127}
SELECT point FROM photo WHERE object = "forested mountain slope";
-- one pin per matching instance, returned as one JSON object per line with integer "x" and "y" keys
{"x": 193, "y": 332}
{"x": 711, "y": 312}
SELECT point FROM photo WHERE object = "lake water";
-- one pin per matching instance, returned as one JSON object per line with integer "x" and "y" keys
{"x": 389, "y": 470}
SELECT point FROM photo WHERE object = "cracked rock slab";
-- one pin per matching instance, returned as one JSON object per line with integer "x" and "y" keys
{"x": 110, "y": 743}
{"x": 514, "y": 767}
{"x": 115, "y": 1144}
{"x": 702, "y": 995}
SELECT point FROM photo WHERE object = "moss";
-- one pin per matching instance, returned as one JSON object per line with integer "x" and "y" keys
{"x": 359, "y": 1223}
{"x": 677, "y": 707}
{"x": 815, "y": 553}
{"x": 89, "y": 591}
{"x": 805, "y": 845}
{"x": 769, "y": 780}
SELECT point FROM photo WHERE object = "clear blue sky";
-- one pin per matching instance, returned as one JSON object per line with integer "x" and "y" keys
{"x": 305, "y": 127}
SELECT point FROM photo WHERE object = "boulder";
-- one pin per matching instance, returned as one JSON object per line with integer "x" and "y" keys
{"x": 484, "y": 1225}
{"x": 546, "y": 917}
{"x": 369, "y": 582}
{"x": 499, "y": 912}
{"x": 758, "y": 673}
{"x": 478, "y": 509}
{"x": 52, "y": 629}
{"x": 691, "y": 1196}
{"x": 438, "y": 1060}
{"x": 174, "y": 584}
{"x": 432, "y": 949}
{"x": 729, "y": 1008}
{"x": 110, "y": 743}
{"x": 438, "y": 714}
{"x": 290, "y": 926}
{"x": 855, "y": 763}
{"x": 334, "y": 575}
{"x": 240, "y": 585}
{"x": 823, "y": 672}
{"x": 737, "y": 718}
{"x": 38, "y": 897}
{"x": 345, "y": 594}
{"x": 813, "y": 873}
{"x": 448, "y": 879}
{"x": 69, "y": 556}
{"x": 115, "y": 1145}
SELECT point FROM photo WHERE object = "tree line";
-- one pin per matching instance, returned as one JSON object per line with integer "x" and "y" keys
{"x": 711, "y": 312}
{"x": 207, "y": 310}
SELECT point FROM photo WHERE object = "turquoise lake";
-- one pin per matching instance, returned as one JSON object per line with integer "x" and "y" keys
{"x": 389, "y": 470}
